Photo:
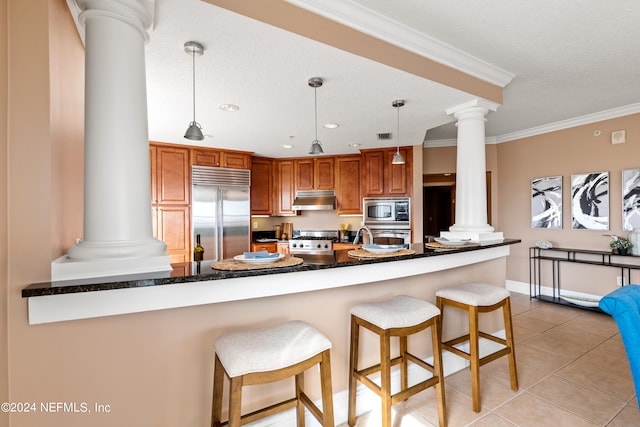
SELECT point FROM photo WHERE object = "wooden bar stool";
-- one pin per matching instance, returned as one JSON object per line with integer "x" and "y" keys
{"x": 399, "y": 316}
{"x": 267, "y": 355}
{"x": 479, "y": 298}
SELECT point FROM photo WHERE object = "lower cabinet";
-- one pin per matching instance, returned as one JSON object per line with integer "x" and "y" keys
{"x": 283, "y": 248}
{"x": 172, "y": 224}
{"x": 269, "y": 247}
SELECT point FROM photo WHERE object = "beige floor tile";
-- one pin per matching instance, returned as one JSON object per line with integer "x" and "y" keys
{"x": 568, "y": 333}
{"x": 591, "y": 404}
{"x": 459, "y": 411}
{"x": 611, "y": 361}
{"x": 528, "y": 410}
{"x": 402, "y": 416}
{"x": 629, "y": 416}
{"x": 532, "y": 320}
{"x": 595, "y": 323}
{"x": 589, "y": 374}
{"x": 559, "y": 345}
{"x": 493, "y": 391}
{"x": 492, "y": 420}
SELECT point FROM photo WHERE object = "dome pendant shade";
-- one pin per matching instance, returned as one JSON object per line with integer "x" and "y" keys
{"x": 316, "y": 146}
{"x": 194, "y": 131}
{"x": 397, "y": 157}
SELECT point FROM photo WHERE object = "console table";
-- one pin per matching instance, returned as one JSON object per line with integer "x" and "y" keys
{"x": 558, "y": 256}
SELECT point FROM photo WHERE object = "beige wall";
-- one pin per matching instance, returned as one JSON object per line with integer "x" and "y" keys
{"x": 4, "y": 247}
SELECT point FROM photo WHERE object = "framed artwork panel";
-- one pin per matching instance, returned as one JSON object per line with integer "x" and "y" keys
{"x": 630, "y": 199}
{"x": 546, "y": 202}
{"x": 590, "y": 201}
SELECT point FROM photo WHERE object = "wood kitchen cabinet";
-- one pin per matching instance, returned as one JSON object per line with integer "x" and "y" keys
{"x": 269, "y": 247}
{"x": 171, "y": 199}
{"x": 262, "y": 194}
{"x": 283, "y": 248}
{"x": 315, "y": 173}
{"x": 381, "y": 178}
{"x": 285, "y": 185}
{"x": 348, "y": 190}
{"x": 220, "y": 158}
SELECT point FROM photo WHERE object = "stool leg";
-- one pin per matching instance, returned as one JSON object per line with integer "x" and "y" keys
{"x": 508, "y": 327}
{"x": 218, "y": 384}
{"x": 235, "y": 401}
{"x": 385, "y": 377}
{"x": 474, "y": 354}
{"x": 327, "y": 394}
{"x": 438, "y": 371}
{"x": 404, "y": 380}
{"x": 300, "y": 406}
{"x": 353, "y": 367}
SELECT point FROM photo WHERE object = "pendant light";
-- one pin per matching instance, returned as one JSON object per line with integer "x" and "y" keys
{"x": 397, "y": 158}
{"x": 316, "y": 146}
{"x": 194, "y": 131}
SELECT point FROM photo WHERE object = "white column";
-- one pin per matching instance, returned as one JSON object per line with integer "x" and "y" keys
{"x": 471, "y": 197}
{"x": 118, "y": 236}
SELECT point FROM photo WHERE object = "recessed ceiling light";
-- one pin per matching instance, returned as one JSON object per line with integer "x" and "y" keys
{"x": 330, "y": 125}
{"x": 354, "y": 144}
{"x": 229, "y": 108}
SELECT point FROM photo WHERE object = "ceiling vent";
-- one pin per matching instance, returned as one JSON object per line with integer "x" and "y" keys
{"x": 384, "y": 136}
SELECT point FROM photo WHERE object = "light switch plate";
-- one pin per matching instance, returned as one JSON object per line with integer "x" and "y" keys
{"x": 619, "y": 137}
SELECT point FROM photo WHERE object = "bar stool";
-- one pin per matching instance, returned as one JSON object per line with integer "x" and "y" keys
{"x": 399, "y": 316}
{"x": 267, "y": 355}
{"x": 479, "y": 298}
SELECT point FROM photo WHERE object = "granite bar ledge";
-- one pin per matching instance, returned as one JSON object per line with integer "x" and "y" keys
{"x": 186, "y": 286}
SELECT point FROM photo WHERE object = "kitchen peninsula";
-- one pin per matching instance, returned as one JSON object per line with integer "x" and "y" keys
{"x": 190, "y": 284}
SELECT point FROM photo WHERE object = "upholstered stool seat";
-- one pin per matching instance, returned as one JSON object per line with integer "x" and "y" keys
{"x": 399, "y": 316}
{"x": 267, "y": 355}
{"x": 477, "y": 298}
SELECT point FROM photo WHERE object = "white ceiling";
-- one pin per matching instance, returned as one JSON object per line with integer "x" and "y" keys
{"x": 569, "y": 59}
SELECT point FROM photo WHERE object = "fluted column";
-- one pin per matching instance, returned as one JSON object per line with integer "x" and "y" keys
{"x": 117, "y": 192}
{"x": 471, "y": 196}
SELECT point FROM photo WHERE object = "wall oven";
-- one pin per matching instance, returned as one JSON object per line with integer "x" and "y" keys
{"x": 387, "y": 213}
{"x": 391, "y": 237}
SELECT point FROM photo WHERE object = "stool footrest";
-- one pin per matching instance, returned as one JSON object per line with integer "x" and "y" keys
{"x": 265, "y": 412}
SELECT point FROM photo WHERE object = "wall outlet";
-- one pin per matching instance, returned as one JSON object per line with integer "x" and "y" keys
{"x": 255, "y": 224}
{"x": 619, "y": 280}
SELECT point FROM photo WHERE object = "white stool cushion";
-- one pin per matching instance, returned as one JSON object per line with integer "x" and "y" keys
{"x": 269, "y": 349}
{"x": 400, "y": 311}
{"x": 475, "y": 294}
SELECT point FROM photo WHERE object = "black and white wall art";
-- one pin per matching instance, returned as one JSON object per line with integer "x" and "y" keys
{"x": 590, "y": 201}
{"x": 546, "y": 202}
{"x": 630, "y": 199}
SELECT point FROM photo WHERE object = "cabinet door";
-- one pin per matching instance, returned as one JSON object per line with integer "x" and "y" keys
{"x": 285, "y": 187}
{"x": 173, "y": 180}
{"x": 261, "y": 186}
{"x": 153, "y": 153}
{"x": 304, "y": 174}
{"x": 373, "y": 173}
{"x": 397, "y": 178}
{"x": 283, "y": 248}
{"x": 174, "y": 228}
{"x": 234, "y": 160}
{"x": 324, "y": 173}
{"x": 205, "y": 157}
{"x": 348, "y": 193}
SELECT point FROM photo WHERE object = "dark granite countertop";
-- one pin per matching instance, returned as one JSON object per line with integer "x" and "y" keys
{"x": 198, "y": 272}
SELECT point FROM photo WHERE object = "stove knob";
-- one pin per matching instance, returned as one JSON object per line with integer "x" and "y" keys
{"x": 326, "y": 246}
{"x": 319, "y": 246}
{"x": 294, "y": 245}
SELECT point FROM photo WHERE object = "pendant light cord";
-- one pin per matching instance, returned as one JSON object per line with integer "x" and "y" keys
{"x": 398, "y": 124}
{"x": 193, "y": 67}
{"x": 315, "y": 103}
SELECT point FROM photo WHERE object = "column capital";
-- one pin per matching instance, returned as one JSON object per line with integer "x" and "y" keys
{"x": 137, "y": 13}
{"x": 477, "y": 105}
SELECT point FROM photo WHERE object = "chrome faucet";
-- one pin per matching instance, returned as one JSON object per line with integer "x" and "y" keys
{"x": 369, "y": 235}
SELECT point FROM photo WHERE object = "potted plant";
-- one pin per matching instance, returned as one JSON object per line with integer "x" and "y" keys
{"x": 620, "y": 246}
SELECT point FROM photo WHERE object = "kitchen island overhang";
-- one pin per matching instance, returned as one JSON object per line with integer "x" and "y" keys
{"x": 61, "y": 301}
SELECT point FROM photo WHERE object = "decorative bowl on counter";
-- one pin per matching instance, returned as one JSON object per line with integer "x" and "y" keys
{"x": 449, "y": 242}
{"x": 262, "y": 260}
{"x": 382, "y": 249}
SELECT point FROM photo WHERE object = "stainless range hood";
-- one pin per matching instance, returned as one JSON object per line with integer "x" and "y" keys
{"x": 315, "y": 200}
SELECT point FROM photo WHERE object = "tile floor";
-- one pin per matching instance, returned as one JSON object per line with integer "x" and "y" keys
{"x": 572, "y": 371}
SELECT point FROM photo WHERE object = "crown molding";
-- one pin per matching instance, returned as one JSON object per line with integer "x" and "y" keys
{"x": 551, "y": 127}
{"x": 379, "y": 26}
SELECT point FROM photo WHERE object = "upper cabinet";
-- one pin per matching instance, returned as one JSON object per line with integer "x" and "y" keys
{"x": 262, "y": 186}
{"x": 381, "y": 178}
{"x": 315, "y": 173}
{"x": 348, "y": 191}
{"x": 171, "y": 172}
{"x": 285, "y": 185}
{"x": 220, "y": 158}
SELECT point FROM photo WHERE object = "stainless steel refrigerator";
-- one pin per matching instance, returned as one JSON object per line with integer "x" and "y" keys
{"x": 221, "y": 210}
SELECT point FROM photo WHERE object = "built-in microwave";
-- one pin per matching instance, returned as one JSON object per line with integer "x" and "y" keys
{"x": 387, "y": 212}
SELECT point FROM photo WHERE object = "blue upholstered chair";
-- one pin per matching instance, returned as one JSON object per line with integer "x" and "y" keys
{"x": 623, "y": 305}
